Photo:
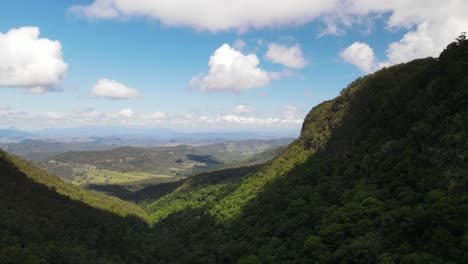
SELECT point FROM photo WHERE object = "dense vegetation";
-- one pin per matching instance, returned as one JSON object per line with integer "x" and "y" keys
{"x": 379, "y": 175}
{"x": 91, "y": 198}
{"x": 39, "y": 225}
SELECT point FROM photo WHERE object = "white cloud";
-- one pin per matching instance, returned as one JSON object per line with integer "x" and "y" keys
{"x": 90, "y": 114}
{"x": 428, "y": 39}
{"x": 211, "y": 15}
{"x": 429, "y": 24}
{"x": 232, "y": 71}
{"x": 55, "y": 115}
{"x": 126, "y": 113}
{"x": 113, "y": 90}
{"x": 239, "y": 44}
{"x": 253, "y": 121}
{"x": 129, "y": 118}
{"x": 289, "y": 112}
{"x": 291, "y": 57}
{"x": 432, "y": 25}
{"x": 360, "y": 55}
{"x": 244, "y": 109}
{"x": 29, "y": 61}
{"x": 158, "y": 116}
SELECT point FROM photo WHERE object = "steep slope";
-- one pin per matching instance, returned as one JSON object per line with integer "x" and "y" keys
{"x": 39, "y": 225}
{"x": 150, "y": 191}
{"x": 94, "y": 199}
{"x": 379, "y": 174}
{"x": 201, "y": 191}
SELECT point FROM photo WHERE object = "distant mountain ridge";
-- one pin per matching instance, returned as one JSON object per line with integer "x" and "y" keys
{"x": 181, "y": 161}
{"x": 145, "y": 132}
{"x": 9, "y": 134}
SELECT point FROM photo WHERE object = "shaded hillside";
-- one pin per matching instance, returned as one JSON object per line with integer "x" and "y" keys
{"x": 378, "y": 175}
{"x": 151, "y": 191}
{"x": 38, "y": 225}
{"x": 94, "y": 199}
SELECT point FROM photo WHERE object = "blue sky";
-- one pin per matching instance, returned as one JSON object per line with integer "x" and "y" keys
{"x": 155, "y": 51}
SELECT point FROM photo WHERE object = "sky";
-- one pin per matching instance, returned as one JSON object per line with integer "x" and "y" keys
{"x": 203, "y": 65}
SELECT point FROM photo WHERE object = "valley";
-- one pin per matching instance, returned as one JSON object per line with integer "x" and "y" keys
{"x": 379, "y": 174}
{"x": 164, "y": 164}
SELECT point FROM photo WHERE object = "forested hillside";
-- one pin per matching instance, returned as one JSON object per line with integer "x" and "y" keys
{"x": 94, "y": 199}
{"x": 39, "y": 225}
{"x": 378, "y": 175}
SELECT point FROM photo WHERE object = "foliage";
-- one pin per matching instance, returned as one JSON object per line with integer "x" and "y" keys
{"x": 94, "y": 199}
{"x": 379, "y": 175}
{"x": 39, "y": 225}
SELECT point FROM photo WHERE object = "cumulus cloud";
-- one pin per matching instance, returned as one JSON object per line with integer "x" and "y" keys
{"x": 232, "y": 71}
{"x": 430, "y": 24}
{"x": 211, "y": 15}
{"x": 430, "y": 28}
{"x": 244, "y": 109}
{"x": 360, "y": 55}
{"x": 29, "y": 61}
{"x": 113, "y": 90}
{"x": 291, "y": 57}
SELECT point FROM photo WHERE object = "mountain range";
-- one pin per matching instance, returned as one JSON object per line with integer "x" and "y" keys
{"x": 378, "y": 175}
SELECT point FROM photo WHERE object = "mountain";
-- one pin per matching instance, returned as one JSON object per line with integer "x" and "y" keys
{"x": 13, "y": 135}
{"x": 13, "y": 132}
{"x": 378, "y": 175}
{"x": 158, "y": 133}
{"x": 37, "y": 150}
{"x": 52, "y": 182}
{"x": 105, "y": 131}
{"x": 44, "y": 220}
{"x": 126, "y": 164}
